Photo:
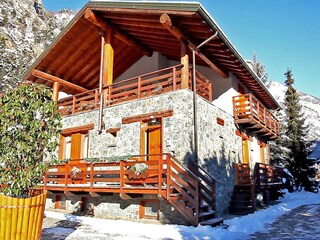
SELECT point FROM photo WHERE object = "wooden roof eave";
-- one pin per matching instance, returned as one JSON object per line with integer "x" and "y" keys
{"x": 171, "y": 8}
{"x": 273, "y": 103}
{"x": 28, "y": 72}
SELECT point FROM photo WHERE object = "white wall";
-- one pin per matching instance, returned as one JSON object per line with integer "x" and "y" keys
{"x": 223, "y": 88}
{"x": 145, "y": 65}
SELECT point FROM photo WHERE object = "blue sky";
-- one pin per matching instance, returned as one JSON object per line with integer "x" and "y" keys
{"x": 282, "y": 33}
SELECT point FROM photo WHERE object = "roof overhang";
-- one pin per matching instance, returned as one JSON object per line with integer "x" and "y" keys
{"x": 74, "y": 55}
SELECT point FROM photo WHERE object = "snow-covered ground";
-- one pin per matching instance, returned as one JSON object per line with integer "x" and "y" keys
{"x": 239, "y": 227}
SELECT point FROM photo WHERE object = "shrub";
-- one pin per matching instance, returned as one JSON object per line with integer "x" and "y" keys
{"x": 29, "y": 129}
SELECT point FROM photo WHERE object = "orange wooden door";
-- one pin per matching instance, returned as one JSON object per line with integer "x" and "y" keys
{"x": 262, "y": 154}
{"x": 245, "y": 151}
{"x": 151, "y": 139}
{"x": 154, "y": 144}
{"x": 76, "y": 140}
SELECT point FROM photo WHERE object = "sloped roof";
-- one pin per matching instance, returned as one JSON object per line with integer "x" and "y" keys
{"x": 75, "y": 54}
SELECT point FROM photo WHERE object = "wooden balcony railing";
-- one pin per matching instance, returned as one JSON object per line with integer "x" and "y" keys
{"x": 150, "y": 84}
{"x": 165, "y": 176}
{"x": 254, "y": 115}
{"x": 266, "y": 176}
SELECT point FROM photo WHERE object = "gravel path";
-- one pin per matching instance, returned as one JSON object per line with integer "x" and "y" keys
{"x": 300, "y": 223}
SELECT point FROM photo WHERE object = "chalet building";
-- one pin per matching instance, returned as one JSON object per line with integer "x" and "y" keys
{"x": 163, "y": 119}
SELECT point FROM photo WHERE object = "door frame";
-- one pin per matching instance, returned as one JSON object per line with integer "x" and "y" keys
{"x": 143, "y": 130}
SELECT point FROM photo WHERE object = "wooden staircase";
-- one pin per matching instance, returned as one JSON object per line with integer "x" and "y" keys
{"x": 264, "y": 178}
{"x": 192, "y": 194}
{"x": 241, "y": 200}
{"x": 191, "y": 191}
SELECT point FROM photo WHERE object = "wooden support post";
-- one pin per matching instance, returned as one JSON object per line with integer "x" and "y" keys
{"x": 55, "y": 91}
{"x": 174, "y": 78}
{"x": 185, "y": 69}
{"x": 108, "y": 58}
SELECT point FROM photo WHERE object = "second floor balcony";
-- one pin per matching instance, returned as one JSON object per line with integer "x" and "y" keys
{"x": 146, "y": 85}
{"x": 253, "y": 115}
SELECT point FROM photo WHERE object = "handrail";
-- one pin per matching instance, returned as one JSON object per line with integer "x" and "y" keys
{"x": 165, "y": 174}
{"x": 152, "y": 83}
{"x": 247, "y": 106}
{"x": 205, "y": 171}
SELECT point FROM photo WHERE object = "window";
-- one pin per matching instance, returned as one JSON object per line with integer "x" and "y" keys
{"x": 74, "y": 143}
{"x": 60, "y": 201}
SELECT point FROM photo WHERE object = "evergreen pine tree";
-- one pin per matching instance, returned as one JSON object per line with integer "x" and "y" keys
{"x": 259, "y": 69}
{"x": 295, "y": 132}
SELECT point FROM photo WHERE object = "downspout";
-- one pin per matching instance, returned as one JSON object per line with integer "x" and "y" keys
{"x": 194, "y": 83}
{"x": 100, "y": 83}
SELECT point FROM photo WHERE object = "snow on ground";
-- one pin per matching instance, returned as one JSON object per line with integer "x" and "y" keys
{"x": 239, "y": 227}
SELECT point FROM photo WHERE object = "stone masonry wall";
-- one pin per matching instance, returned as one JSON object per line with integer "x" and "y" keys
{"x": 113, "y": 207}
{"x": 218, "y": 149}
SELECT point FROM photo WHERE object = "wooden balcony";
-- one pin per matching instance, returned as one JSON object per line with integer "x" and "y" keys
{"x": 150, "y": 84}
{"x": 165, "y": 176}
{"x": 253, "y": 115}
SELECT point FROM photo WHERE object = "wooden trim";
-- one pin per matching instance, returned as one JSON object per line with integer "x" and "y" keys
{"x": 147, "y": 116}
{"x": 220, "y": 121}
{"x": 113, "y": 131}
{"x": 51, "y": 78}
{"x": 80, "y": 129}
{"x": 118, "y": 33}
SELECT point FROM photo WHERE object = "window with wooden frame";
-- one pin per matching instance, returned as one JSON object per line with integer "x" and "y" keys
{"x": 74, "y": 143}
{"x": 60, "y": 201}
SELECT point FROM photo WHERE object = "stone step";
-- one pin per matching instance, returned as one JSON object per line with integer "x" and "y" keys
{"x": 212, "y": 222}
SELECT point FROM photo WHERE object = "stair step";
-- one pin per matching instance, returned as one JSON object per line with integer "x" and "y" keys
{"x": 174, "y": 194}
{"x": 212, "y": 222}
{"x": 239, "y": 191}
{"x": 241, "y": 210}
{"x": 206, "y": 215}
{"x": 204, "y": 208}
{"x": 240, "y": 203}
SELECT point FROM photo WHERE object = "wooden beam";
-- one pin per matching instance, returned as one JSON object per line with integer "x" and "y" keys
{"x": 118, "y": 33}
{"x": 80, "y": 129}
{"x": 165, "y": 20}
{"x": 49, "y": 77}
{"x": 147, "y": 116}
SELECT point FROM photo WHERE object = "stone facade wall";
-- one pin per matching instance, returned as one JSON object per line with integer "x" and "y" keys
{"x": 113, "y": 207}
{"x": 177, "y": 128}
{"x": 218, "y": 146}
